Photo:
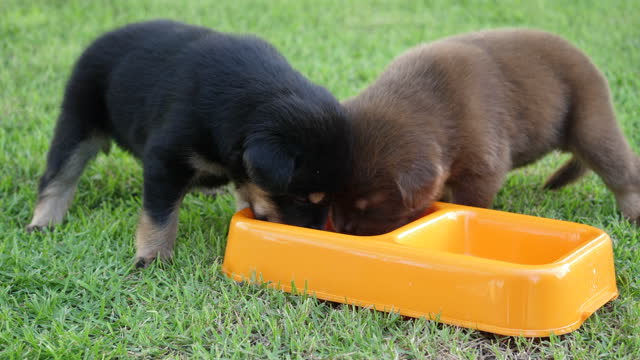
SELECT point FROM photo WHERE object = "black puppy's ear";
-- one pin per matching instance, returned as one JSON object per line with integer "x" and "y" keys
{"x": 268, "y": 165}
{"x": 420, "y": 185}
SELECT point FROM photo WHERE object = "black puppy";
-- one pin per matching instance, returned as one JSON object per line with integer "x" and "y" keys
{"x": 200, "y": 108}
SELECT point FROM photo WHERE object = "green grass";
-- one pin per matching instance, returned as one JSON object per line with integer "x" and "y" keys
{"x": 70, "y": 293}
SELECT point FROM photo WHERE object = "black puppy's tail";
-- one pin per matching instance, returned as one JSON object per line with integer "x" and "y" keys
{"x": 571, "y": 171}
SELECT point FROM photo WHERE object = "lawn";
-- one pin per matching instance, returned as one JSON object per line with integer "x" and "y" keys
{"x": 71, "y": 292}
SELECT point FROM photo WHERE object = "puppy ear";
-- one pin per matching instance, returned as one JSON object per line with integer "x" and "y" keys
{"x": 420, "y": 185}
{"x": 268, "y": 164}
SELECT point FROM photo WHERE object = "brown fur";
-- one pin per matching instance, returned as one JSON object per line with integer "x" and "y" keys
{"x": 451, "y": 118}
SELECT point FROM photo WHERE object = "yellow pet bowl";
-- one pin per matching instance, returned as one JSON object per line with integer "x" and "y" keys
{"x": 489, "y": 270}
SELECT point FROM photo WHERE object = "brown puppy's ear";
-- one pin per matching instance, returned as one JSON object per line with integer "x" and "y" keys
{"x": 420, "y": 185}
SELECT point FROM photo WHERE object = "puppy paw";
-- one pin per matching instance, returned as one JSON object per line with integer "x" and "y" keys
{"x": 142, "y": 261}
{"x": 34, "y": 227}
{"x": 629, "y": 205}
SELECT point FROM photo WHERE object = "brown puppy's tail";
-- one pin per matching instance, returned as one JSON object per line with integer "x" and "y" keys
{"x": 571, "y": 171}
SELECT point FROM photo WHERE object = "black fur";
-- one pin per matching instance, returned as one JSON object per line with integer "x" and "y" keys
{"x": 165, "y": 90}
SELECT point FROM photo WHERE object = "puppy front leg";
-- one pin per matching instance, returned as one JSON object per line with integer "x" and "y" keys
{"x": 155, "y": 238}
{"x": 241, "y": 195}
{"x": 165, "y": 184}
{"x": 476, "y": 190}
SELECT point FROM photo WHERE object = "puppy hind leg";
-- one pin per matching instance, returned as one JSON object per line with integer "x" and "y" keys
{"x": 597, "y": 139}
{"x": 629, "y": 202}
{"x": 619, "y": 168}
{"x": 71, "y": 149}
{"x": 624, "y": 182}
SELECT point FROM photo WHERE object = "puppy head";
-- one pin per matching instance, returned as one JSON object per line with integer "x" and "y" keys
{"x": 296, "y": 157}
{"x": 396, "y": 175}
{"x": 388, "y": 200}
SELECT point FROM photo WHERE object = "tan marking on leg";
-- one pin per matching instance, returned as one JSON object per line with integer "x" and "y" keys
{"x": 201, "y": 164}
{"x": 154, "y": 240}
{"x": 55, "y": 199}
{"x": 204, "y": 168}
{"x": 52, "y": 205}
{"x": 242, "y": 197}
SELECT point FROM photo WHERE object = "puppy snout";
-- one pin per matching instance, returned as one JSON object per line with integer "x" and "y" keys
{"x": 349, "y": 227}
{"x": 341, "y": 225}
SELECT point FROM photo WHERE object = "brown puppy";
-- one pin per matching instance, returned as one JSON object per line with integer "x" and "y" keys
{"x": 451, "y": 118}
